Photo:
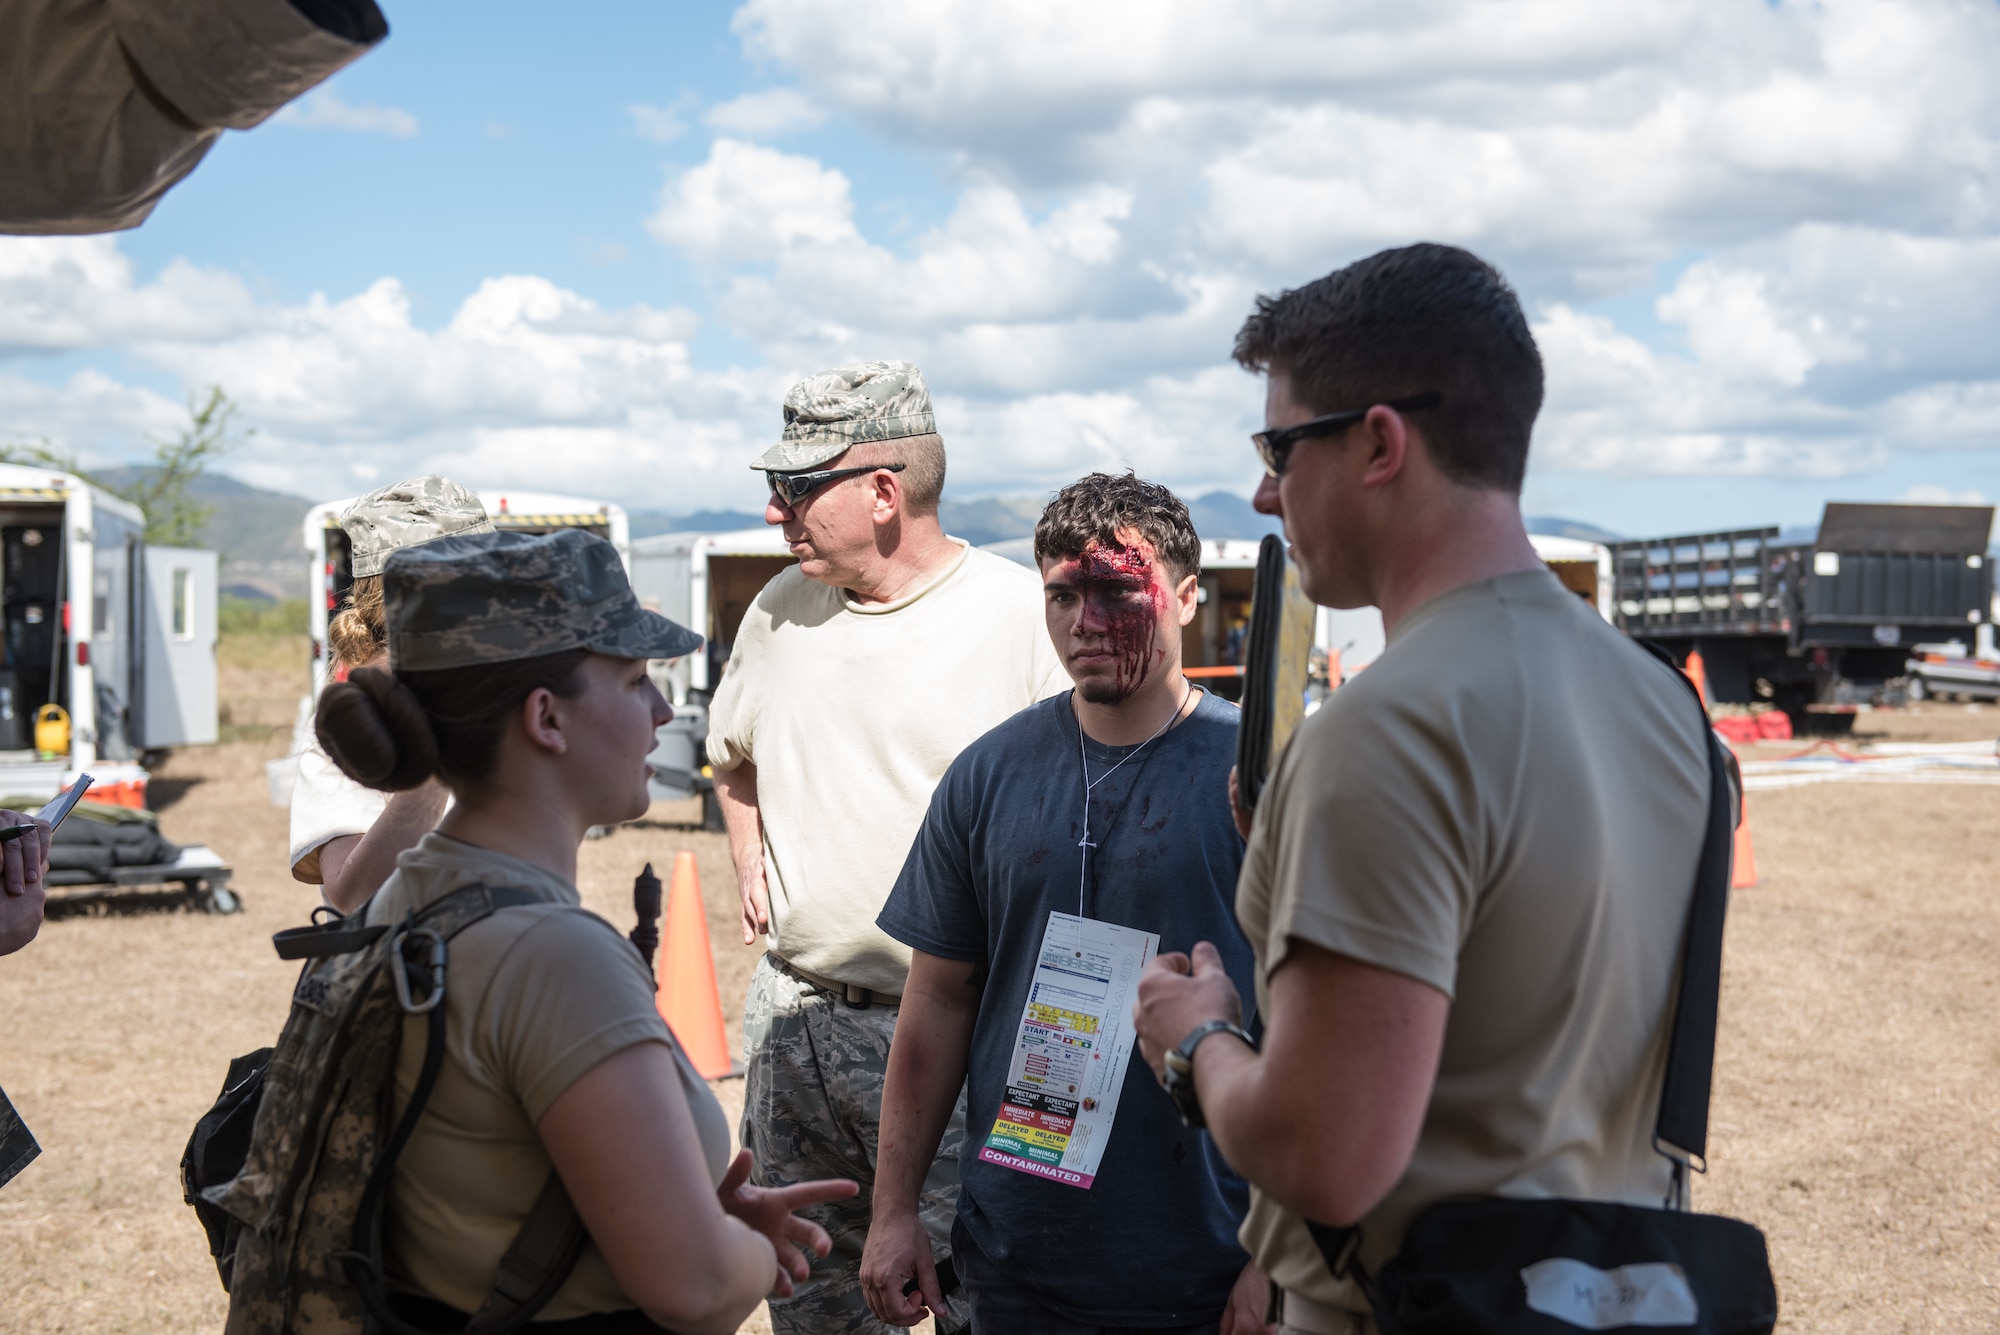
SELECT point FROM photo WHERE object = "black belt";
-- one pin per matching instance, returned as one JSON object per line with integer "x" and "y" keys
{"x": 857, "y": 997}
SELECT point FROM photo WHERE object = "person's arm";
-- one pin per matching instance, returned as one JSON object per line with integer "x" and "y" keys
{"x": 926, "y": 1068}
{"x": 645, "y": 1197}
{"x": 736, "y": 794}
{"x": 1324, "y": 1119}
{"x": 24, "y": 864}
{"x": 352, "y": 867}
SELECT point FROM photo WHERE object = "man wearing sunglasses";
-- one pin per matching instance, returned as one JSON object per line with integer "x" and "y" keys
{"x": 855, "y": 679}
{"x": 1469, "y": 875}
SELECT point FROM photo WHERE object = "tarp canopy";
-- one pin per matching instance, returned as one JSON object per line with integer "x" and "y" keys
{"x": 106, "y": 104}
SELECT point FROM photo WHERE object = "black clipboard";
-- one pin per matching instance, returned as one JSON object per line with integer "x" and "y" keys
{"x": 1277, "y": 659}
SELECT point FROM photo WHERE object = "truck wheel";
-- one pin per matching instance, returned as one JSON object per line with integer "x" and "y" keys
{"x": 711, "y": 812}
{"x": 221, "y": 899}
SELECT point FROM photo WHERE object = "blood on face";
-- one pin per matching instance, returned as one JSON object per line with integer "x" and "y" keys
{"x": 1121, "y": 596}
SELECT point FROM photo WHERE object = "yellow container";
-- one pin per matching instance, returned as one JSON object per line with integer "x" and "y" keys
{"x": 52, "y": 732}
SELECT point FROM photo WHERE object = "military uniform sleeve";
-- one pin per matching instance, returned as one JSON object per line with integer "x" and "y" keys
{"x": 569, "y": 993}
{"x": 1367, "y": 839}
{"x": 935, "y": 905}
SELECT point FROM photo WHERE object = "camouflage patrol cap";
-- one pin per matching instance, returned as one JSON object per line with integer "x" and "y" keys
{"x": 826, "y": 413}
{"x": 497, "y": 597}
{"x": 417, "y": 510}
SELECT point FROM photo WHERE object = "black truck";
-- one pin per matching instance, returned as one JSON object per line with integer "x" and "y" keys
{"x": 1813, "y": 626}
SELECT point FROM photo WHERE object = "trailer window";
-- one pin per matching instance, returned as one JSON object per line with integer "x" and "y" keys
{"x": 183, "y": 606}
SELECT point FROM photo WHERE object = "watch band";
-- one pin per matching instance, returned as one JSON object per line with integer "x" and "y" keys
{"x": 1179, "y": 1067}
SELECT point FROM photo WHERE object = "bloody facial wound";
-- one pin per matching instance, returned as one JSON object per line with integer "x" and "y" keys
{"x": 1121, "y": 597}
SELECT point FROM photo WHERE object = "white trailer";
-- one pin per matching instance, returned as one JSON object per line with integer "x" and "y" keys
{"x": 120, "y": 635}
{"x": 331, "y": 568}
{"x": 705, "y": 581}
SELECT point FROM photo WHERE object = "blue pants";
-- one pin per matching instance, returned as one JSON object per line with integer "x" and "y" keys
{"x": 1002, "y": 1307}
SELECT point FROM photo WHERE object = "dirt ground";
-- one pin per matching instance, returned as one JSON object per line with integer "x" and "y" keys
{"x": 1857, "y": 1106}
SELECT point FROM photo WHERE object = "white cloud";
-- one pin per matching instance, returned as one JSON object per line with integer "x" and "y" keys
{"x": 324, "y": 109}
{"x": 748, "y": 202}
{"x": 1760, "y": 241}
{"x": 662, "y": 125}
{"x": 1925, "y": 493}
{"x": 766, "y": 114}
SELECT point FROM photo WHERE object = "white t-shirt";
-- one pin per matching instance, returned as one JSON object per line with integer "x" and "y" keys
{"x": 851, "y": 713}
{"x": 326, "y": 804}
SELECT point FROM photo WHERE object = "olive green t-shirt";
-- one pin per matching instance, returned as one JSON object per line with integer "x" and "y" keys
{"x": 535, "y": 996}
{"x": 1508, "y": 806}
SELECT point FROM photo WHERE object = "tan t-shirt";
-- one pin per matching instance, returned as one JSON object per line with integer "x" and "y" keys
{"x": 851, "y": 713}
{"x": 1508, "y": 805}
{"x": 535, "y": 997}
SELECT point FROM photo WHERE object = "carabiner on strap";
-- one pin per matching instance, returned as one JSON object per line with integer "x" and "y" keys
{"x": 400, "y": 954}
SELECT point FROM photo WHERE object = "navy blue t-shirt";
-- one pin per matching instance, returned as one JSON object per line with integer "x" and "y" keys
{"x": 1153, "y": 1240}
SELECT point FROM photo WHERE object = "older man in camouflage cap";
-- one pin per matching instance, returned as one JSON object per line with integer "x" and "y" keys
{"x": 855, "y": 679}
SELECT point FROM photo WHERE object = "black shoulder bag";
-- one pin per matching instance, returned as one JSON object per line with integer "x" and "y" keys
{"x": 1502, "y": 1266}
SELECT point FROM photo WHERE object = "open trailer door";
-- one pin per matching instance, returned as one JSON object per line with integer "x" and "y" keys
{"x": 176, "y": 696}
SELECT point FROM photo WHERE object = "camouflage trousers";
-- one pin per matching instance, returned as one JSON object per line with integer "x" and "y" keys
{"x": 812, "y": 1105}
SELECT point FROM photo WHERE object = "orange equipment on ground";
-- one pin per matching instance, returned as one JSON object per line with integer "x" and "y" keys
{"x": 1697, "y": 672}
{"x": 689, "y": 1000}
{"x": 1743, "y": 867}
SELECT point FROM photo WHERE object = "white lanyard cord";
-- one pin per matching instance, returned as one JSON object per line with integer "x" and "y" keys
{"x": 1090, "y": 786}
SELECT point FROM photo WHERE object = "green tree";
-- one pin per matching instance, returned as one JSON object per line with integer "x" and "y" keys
{"x": 174, "y": 518}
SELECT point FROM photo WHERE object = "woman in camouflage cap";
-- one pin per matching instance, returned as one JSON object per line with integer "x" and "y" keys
{"x": 517, "y": 676}
{"x": 345, "y": 837}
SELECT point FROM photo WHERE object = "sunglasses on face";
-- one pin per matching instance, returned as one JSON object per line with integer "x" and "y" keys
{"x": 791, "y": 488}
{"x": 1275, "y": 447}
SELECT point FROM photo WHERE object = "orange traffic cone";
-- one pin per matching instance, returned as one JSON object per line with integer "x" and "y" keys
{"x": 1743, "y": 866}
{"x": 689, "y": 1000}
{"x": 1697, "y": 672}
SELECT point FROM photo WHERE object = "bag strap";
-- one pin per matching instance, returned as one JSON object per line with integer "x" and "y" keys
{"x": 551, "y": 1239}
{"x": 1680, "y": 1132}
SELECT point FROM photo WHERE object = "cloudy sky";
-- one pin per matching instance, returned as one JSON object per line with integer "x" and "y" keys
{"x": 585, "y": 248}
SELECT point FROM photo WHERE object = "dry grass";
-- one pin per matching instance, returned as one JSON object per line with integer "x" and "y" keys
{"x": 1856, "y": 1117}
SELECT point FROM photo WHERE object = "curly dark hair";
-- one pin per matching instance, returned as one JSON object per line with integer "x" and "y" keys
{"x": 1096, "y": 506}
{"x": 1410, "y": 321}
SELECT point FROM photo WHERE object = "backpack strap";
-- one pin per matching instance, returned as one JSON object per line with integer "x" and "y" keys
{"x": 551, "y": 1239}
{"x": 1680, "y": 1132}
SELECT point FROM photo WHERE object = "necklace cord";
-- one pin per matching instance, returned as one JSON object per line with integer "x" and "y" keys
{"x": 1090, "y": 784}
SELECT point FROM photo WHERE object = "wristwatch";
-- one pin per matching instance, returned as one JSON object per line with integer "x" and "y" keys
{"x": 1179, "y": 1078}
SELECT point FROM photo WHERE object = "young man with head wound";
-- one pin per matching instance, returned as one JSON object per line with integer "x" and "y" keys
{"x": 1083, "y": 825}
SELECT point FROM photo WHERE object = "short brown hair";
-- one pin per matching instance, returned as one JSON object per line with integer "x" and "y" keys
{"x": 1411, "y": 321}
{"x": 1095, "y": 507}
{"x": 922, "y": 458}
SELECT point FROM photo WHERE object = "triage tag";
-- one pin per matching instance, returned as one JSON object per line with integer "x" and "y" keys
{"x": 1069, "y": 1060}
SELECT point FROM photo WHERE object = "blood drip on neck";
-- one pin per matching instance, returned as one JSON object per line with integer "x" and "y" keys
{"x": 1121, "y": 592}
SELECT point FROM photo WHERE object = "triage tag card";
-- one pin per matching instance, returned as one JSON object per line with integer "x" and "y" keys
{"x": 1069, "y": 1060}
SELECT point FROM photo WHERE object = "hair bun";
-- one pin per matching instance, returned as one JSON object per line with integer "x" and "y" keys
{"x": 373, "y": 727}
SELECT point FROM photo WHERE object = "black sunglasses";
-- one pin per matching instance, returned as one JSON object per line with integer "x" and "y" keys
{"x": 791, "y": 488}
{"x": 1275, "y": 447}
